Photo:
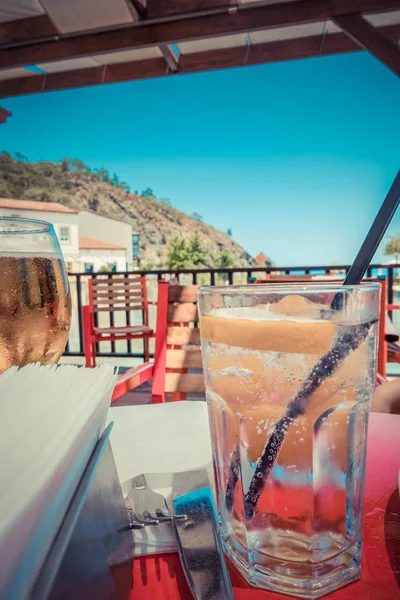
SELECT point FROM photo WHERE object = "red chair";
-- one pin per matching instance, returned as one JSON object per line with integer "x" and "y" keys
{"x": 177, "y": 344}
{"x": 115, "y": 295}
{"x": 392, "y": 338}
{"x": 177, "y": 350}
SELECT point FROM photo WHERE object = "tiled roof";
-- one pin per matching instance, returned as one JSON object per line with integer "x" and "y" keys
{"x": 37, "y": 206}
{"x": 260, "y": 259}
{"x": 86, "y": 243}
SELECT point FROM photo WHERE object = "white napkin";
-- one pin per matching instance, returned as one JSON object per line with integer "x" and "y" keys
{"x": 159, "y": 440}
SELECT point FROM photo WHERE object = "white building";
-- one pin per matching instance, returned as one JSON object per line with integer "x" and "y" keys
{"x": 95, "y": 254}
{"x": 89, "y": 242}
{"x": 116, "y": 233}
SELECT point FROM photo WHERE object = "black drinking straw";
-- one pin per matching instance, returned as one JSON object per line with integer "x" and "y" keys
{"x": 347, "y": 340}
{"x": 375, "y": 234}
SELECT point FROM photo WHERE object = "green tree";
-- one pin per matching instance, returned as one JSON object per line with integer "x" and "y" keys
{"x": 186, "y": 254}
{"x": 103, "y": 175}
{"x": 20, "y": 157}
{"x": 148, "y": 193}
{"x": 124, "y": 186}
{"x": 78, "y": 165}
{"x": 115, "y": 179}
{"x": 392, "y": 247}
{"x": 224, "y": 260}
{"x": 177, "y": 254}
{"x": 229, "y": 232}
{"x": 196, "y": 216}
{"x": 65, "y": 164}
{"x": 105, "y": 269}
{"x": 4, "y": 190}
{"x": 146, "y": 266}
{"x": 197, "y": 252}
{"x": 166, "y": 201}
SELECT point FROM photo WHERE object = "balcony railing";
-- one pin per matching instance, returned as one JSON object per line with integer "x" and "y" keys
{"x": 231, "y": 276}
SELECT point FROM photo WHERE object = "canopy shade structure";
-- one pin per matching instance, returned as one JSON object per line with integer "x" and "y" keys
{"x": 48, "y": 45}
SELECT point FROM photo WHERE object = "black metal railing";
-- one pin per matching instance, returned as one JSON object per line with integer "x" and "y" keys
{"x": 227, "y": 276}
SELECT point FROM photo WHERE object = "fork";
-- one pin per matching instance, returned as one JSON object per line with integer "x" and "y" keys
{"x": 146, "y": 507}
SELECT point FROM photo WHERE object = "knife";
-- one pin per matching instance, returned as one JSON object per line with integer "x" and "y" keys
{"x": 198, "y": 538}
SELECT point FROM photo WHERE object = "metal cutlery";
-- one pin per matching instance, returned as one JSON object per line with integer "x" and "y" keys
{"x": 145, "y": 507}
{"x": 194, "y": 522}
{"x": 199, "y": 543}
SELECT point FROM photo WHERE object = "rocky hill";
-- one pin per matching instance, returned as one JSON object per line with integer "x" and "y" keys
{"x": 72, "y": 183}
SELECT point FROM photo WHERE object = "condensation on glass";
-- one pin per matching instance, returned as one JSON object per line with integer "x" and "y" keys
{"x": 35, "y": 299}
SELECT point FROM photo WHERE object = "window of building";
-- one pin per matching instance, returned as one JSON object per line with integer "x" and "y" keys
{"x": 135, "y": 244}
{"x": 88, "y": 267}
{"x": 64, "y": 234}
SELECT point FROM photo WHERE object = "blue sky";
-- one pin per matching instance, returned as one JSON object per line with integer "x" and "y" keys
{"x": 294, "y": 157}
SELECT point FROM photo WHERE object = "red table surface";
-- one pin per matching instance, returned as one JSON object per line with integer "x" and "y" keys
{"x": 161, "y": 577}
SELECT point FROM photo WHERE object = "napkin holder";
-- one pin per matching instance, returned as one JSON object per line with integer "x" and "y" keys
{"x": 92, "y": 553}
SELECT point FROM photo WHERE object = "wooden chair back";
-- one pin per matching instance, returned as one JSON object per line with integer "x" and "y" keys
{"x": 112, "y": 294}
{"x": 177, "y": 343}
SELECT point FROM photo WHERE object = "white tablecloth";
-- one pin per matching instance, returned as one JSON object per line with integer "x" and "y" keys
{"x": 159, "y": 440}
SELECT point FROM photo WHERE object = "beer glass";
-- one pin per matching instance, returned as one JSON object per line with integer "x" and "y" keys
{"x": 35, "y": 299}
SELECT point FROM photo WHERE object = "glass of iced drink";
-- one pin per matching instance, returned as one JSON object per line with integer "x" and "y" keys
{"x": 35, "y": 298}
{"x": 289, "y": 373}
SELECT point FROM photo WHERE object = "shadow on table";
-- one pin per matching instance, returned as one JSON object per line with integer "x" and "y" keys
{"x": 392, "y": 533}
{"x": 142, "y": 395}
{"x": 158, "y": 576}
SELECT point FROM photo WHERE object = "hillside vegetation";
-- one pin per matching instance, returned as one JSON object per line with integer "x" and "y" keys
{"x": 165, "y": 232}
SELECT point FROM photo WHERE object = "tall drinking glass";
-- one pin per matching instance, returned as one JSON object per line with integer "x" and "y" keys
{"x": 35, "y": 299}
{"x": 289, "y": 374}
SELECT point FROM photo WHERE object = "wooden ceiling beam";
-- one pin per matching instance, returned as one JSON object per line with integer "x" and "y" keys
{"x": 27, "y": 29}
{"x": 162, "y": 8}
{"x": 257, "y": 54}
{"x": 144, "y": 34}
{"x": 371, "y": 39}
{"x": 170, "y": 57}
{"x": 140, "y": 7}
{"x": 269, "y": 52}
{"x": 22, "y": 86}
{"x": 136, "y": 70}
{"x": 299, "y": 48}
